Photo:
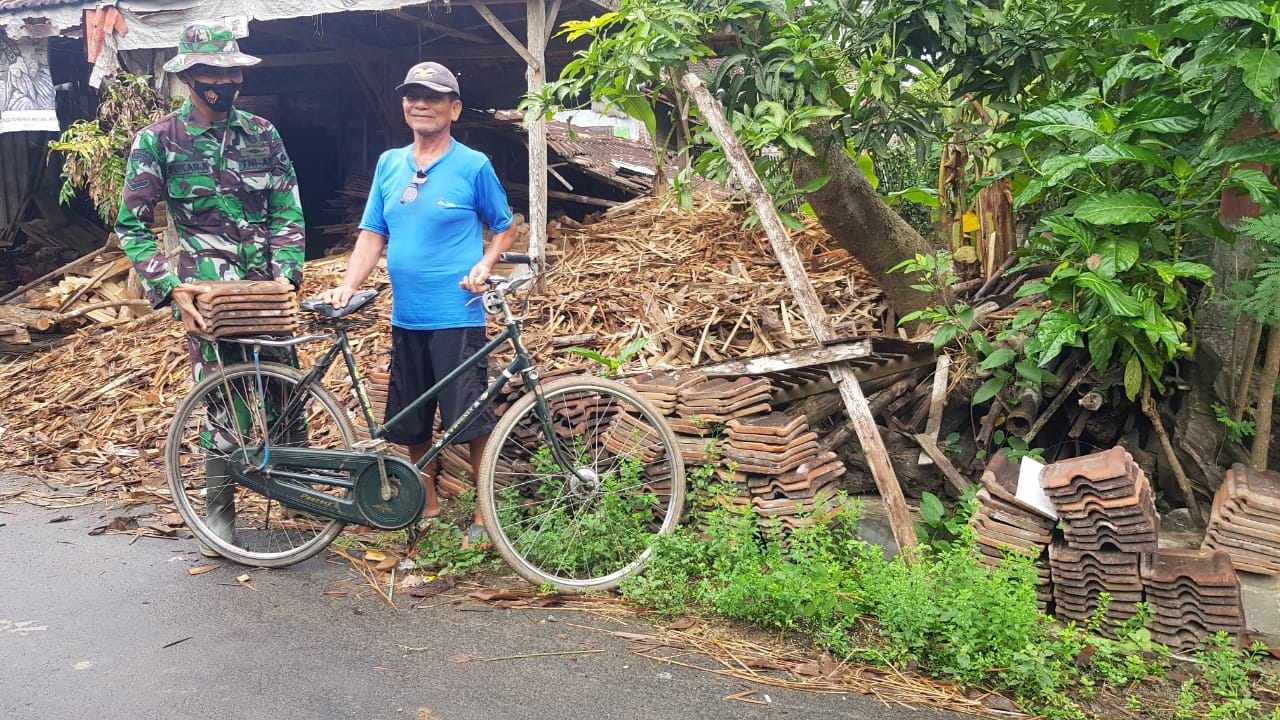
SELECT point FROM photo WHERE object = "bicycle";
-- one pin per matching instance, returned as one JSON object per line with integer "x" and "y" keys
{"x": 579, "y": 478}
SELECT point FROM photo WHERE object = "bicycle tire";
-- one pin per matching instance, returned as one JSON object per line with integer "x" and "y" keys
{"x": 266, "y": 533}
{"x": 552, "y": 527}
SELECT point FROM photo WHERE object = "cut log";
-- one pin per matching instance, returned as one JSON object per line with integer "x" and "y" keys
{"x": 38, "y": 320}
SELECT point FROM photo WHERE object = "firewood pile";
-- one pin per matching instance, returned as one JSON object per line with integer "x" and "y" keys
{"x": 95, "y": 408}
{"x": 95, "y": 288}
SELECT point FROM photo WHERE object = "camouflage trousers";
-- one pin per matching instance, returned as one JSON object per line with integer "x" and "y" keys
{"x": 237, "y": 414}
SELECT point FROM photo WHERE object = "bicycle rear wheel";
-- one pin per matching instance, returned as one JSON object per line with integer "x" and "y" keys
{"x": 238, "y": 409}
{"x": 586, "y": 526}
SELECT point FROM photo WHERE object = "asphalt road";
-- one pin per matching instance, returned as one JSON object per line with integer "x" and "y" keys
{"x": 99, "y": 627}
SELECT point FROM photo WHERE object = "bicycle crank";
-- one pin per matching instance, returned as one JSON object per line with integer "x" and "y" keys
{"x": 294, "y": 478}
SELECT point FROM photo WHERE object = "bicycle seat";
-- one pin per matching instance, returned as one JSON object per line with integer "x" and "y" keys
{"x": 355, "y": 304}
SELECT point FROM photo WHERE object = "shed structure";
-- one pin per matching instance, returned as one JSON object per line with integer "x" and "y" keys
{"x": 326, "y": 80}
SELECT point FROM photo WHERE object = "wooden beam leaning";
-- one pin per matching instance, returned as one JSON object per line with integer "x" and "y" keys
{"x": 535, "y": 77}
{"x": 811, "y": 307}
{"x": 505, "y": 34}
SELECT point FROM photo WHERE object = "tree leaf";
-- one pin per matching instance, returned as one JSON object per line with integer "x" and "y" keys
{"x": 1155, "y": 113}
{"x": 996, "y": 359}
{"x": 1257, "y": 184}
{"x": 868, "y": 168}
{"x": 1059, "y": 121}
{"x": 988, "y": 390}
{"x": 945, "y": 334}
{"x": 1261, "y": 68}
{"x": 1101, "y": 346}
{"x": 1118, "y": 301}
{"x": 924, "y": 196}
{"x": 1118, "y": 255}
{"x": 814, "y": 185}
{"x": 931, "y": 508}
{"x": 1116, "y": 152}
{"x": 1132, "y": 377}
{"x": 1130, "y": 67}
{"x": 1057, "y": 329}
{"x": 1119, "y": 208}
{"x": 1257, "y": 150}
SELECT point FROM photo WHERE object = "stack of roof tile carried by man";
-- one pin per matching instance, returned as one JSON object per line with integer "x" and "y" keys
{"x": 245, "y": 307}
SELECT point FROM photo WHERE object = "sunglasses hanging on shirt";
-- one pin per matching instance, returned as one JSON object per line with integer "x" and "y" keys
{"x": 411, "y": 192}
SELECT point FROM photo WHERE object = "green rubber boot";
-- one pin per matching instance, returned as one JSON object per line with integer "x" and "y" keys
{"x": 219, "y": 503}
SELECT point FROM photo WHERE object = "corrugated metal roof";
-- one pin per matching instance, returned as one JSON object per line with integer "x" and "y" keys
{"x": 20, "y": 4}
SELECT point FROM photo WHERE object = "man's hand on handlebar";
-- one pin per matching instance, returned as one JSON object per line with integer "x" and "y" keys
{"x": 337, "y": 297}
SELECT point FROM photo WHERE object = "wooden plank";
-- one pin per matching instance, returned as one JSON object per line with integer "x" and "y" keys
{"x": 537, "y": 31}
{"x": 806, "y": 297}
{"x": 506, "y": 35}
{"x": 953, "y": 477}
{"x": 791, "y": 359}
{"x": 936, "y": 400}
{"x": 439, "y": 28}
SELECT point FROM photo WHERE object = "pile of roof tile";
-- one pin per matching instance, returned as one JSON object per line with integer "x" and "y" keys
{"x": 1080, "y": 577}
{"x": 1245, "y": 520}
{"x": 1003, "y": 523}
{"x": 1105, "y": 507}
{"x": 720, "y": 400}
{"x": 774, "y": 462}
{"x": 1192, "y": 594}
{"x": 246, "y": 307}
{"x": 663, "y": 390}
{"x": 1104, "y": 502}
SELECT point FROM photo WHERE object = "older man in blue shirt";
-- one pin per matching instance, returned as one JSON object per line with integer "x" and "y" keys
{"x": 427, "y": 206}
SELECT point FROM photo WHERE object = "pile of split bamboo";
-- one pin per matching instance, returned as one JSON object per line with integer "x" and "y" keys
{"x": 699, "y": 284}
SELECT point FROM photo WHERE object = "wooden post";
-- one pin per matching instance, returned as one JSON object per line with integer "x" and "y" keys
{"x": 811, "y": 308}
{"x": 536, "y": 14}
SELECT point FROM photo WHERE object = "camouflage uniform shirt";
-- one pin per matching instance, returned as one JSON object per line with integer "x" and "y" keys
{"x": 232, "y": 196}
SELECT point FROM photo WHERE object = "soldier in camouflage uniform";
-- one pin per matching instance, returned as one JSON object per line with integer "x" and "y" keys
{"x": 231, "y": 194}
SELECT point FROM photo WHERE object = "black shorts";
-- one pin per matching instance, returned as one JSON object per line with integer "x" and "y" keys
{"x": 418, "y": 359}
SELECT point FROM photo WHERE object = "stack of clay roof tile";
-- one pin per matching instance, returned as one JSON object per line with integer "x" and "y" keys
{"x": 1245, "y": 520}
{"x": 1003, "y": 523}
{"x": 1081, "y": 576}
{"x": 663, "y": 390}
{"x": 246, "y": 307}
{"x": 1192, "y": 594}
{"x": 720, "y": 400}
{"x": 778, "y": 468}
{"x": 1104, "y": 502}
{"x": 1108, "y": 517}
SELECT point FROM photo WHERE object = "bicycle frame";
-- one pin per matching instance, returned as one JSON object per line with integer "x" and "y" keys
{"x": 521, "y": 364}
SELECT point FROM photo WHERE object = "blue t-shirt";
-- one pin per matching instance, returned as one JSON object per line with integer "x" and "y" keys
{"x": 434, "y": 240}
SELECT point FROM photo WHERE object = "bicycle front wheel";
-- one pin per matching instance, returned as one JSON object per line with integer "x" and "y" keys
{"x": 239, "y": 409}
{"x": 586, "y": 512}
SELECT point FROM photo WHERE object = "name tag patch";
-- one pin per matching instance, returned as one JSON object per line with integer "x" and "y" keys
{"x": 190, "y": 167}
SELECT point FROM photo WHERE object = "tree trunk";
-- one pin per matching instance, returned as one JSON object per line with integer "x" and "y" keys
{"x": 1266, "y": 401}
{"x": 857, "y": 218}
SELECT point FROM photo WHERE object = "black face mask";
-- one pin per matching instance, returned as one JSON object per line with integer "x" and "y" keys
{"x": 220, "y": 97}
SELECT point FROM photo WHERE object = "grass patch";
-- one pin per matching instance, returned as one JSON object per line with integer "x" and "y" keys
{"x": 946, "y": 615}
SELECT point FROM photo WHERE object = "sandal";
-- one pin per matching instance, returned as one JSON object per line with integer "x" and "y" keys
{"x": 476, "y": 535}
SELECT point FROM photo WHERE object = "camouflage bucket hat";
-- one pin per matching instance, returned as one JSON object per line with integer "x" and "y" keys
{"x": 207, "y": 43}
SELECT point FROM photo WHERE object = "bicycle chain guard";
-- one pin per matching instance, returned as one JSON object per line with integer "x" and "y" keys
{"x": 292, "y": 474}
{"x": 407, "y": 494}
